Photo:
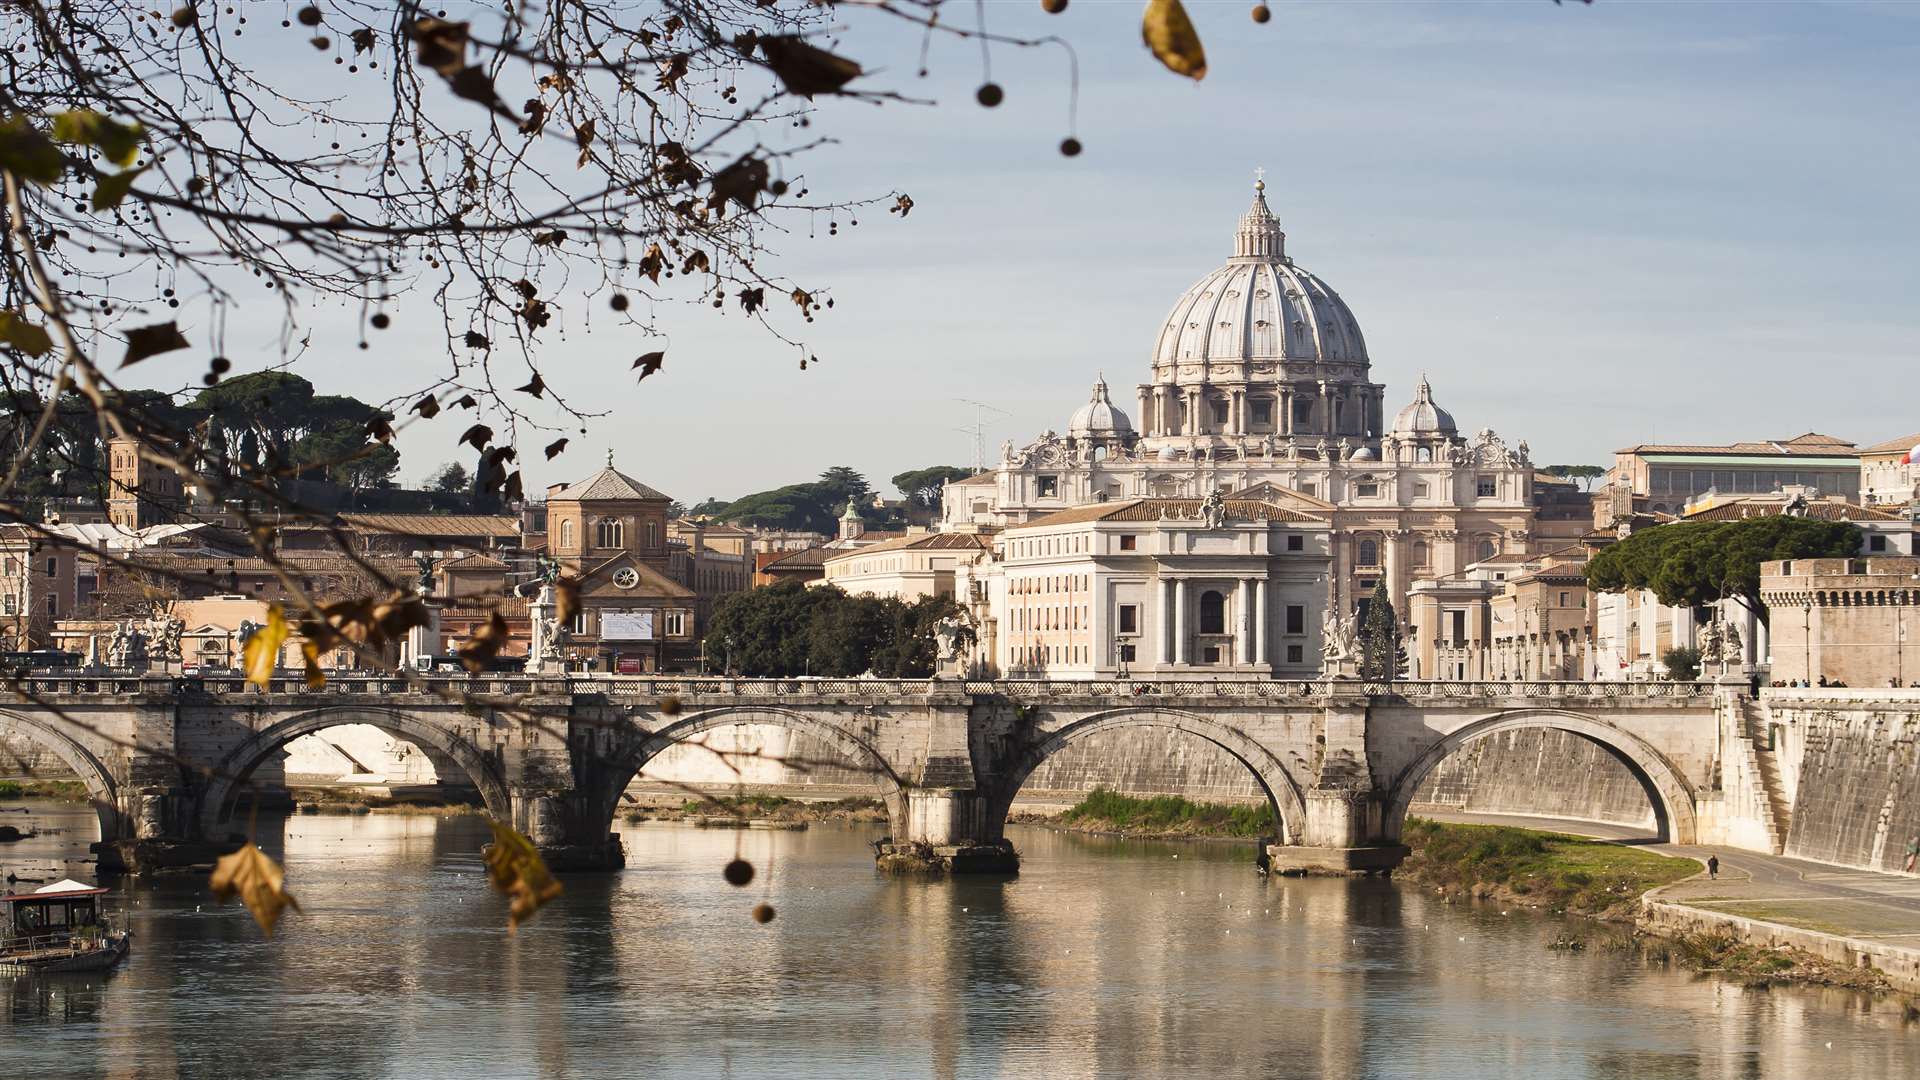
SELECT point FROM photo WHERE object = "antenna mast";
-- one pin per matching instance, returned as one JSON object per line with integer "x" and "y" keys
{"x": 978, "y": 429}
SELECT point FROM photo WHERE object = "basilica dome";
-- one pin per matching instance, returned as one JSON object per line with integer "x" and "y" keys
{"x": 1258, "y": 307}
{"x": 1098, "y": 419}
{"x": 1423, "y": 419}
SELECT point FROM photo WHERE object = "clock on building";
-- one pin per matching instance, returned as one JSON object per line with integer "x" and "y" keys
{"x": 626, "y": 577}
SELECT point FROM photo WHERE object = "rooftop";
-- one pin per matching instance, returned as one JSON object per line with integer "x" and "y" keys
{"x": 945, "y": 541}
{"x": 1812, "y": 444}
{"x": 1893, "y": 446}
{"x": 1759, "y": 506}
{"x": 1165, "y": 510}
{"x": 607, "y": 485}
{"x": 488, "y": 525}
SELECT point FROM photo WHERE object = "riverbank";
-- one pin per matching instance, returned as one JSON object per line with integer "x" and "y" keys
{"x": 762, "y": 811}
{"x": 1102, "y": 812}
{"x": 1612, "y": 883}
{"x": 62, "y": 790}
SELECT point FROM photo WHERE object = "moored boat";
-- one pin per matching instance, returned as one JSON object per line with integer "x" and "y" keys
{"x": 59, "y": 928}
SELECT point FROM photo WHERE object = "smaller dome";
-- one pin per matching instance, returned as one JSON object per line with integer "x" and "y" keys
{"x": 1365, "y": 453}
{"x": 1423, "y": 419}
{"x": 1098, "y": 419}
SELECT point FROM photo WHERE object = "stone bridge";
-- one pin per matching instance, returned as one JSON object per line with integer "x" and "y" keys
{"x": 166, "y": 759}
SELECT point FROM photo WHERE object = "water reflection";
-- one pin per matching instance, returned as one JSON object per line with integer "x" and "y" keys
{"x": 1104, "y": 959}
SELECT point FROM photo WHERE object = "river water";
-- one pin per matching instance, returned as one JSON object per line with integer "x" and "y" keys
{"x": 1103, "y": 959}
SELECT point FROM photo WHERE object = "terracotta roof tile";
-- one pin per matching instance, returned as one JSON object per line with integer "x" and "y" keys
{"x": 490, "y": 525}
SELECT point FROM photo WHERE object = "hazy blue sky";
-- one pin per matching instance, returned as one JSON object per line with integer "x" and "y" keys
{"x": 1591, "y": 226}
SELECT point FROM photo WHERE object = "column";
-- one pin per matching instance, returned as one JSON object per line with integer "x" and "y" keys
{"x": 1179, "y": 621}
{"x": 1262, "y": 652}
{"x": 1146, "y": 414}
{"x": 1283, "y": 402}
{"x": 1166, "y": 622}
{"x": 1237, "y": 412}
{"x": 1243, "y": 622}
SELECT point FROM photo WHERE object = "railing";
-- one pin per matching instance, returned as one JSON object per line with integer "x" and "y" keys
{"x": 518, "y": 686}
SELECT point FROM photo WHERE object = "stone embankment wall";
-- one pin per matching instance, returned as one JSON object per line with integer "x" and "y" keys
{"x": 23, "y": 757}
{"x": 1548, "y": 773}
{"x": 1850, "y": 763}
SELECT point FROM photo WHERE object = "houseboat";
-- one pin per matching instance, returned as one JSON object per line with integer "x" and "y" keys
{"x": 58, "y": 928}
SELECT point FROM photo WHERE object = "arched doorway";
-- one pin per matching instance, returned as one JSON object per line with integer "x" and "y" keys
{"x": 231, "y": 774}
{"x": 1271, "y": 777}
{"x": 1670, "y": 796}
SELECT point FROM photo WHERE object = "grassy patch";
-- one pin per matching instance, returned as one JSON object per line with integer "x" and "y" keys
{"x": 1565, "y": 873}
{"x": 1804, "y": 916}
{"x": 67, "y": 790}
{"x": 1168, "y": 814}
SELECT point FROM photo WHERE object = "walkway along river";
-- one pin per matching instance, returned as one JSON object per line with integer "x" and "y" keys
{"x": 1105, "y": 958}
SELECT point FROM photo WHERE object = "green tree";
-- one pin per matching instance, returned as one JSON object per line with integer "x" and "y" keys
{"x": 708, "y": 507}
{"x": 924, "y": 485}
{"x": 1683, "y": 664}
{"x": 1381, "y": 655}
{"x": 1585, "y": 474}
{"x": 1695, "y": 563}
{"x": 450, "y": 478}
{"x": 790, "y": 629}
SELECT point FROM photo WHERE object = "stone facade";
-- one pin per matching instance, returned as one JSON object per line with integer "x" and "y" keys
{"x": 1855, "y": 621}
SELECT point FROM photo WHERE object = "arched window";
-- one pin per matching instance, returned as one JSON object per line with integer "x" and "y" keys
{"x": 1424, "y": 453}
{"x": 609, "y": 534}
{"x": 1369, "y": 553}
{"x": 1213, "y": 613}
{"x": 653, "y": 534}
{"x": 1484, "y": 550}
{"x": 566, "y": 532}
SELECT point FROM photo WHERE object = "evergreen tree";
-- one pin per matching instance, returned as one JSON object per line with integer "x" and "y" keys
{"x": 1380, "y": 653}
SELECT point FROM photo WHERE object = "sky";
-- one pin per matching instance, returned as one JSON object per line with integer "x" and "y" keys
{"x": 1590, "y": 226}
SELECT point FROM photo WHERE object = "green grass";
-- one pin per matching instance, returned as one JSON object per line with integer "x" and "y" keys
{"x": 1107, "y": 809}
{"x": 69, "y": 790}
{"x": 1563, "y": 872}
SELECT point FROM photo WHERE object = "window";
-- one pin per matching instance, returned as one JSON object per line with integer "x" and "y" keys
{"x": 1369, "y": 554}
{"x": 1306, "y": 489}
{"x": 577, "y": 624}
{"x": 1420, "y": 490}
{"x": 1048, "y": 486}
{"x": 653, "y": 534}
{"x": 1484, "y": 550}
{"x": 1220, "y": 413}
{"x": 1563, "y": 599}
{"x": 566, "y": 532}
{"x": 674, "y": 623}
{"x": 1262, "y": 413}
{"x": 1302, "y": 412}
{"x": 1294, "y": 653}
{"x": 53, "y": 567}
{"x": 1459, "y": 627}
{"x": 1484, "y": 487}
{"x": 1296, "y": 542}
{"x": 1129, "y": 619}
{"x": 1876, "y": 543}
{"x": 1126, "y": 654}
{"x": 1422, "y": 555}
{"x": 12, "y": 607}
{"x": 1210, "y": 654}
{"x": 1367, "y": 491}
{"x": 1129, "y": 542}
{"x": 53, "y": 607}
{"x": 608, "y": 534}
{"x": 13, "y": 566}
{"x": 1296, "y": 618}
{"x": 1213, "y": 613}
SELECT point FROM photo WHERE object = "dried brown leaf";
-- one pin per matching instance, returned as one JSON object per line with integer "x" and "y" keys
{"x": 145, "y": 341}
{"x": 514, "y": 867}
{"x": 650, "y": 363}
{"x": 258, "y": 881}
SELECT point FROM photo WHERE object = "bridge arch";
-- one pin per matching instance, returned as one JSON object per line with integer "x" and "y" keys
{"x": 1275, "y": 780}
{"x": 648, "y": 745}
{"x": 102, "y": 790}
{"x": 1672, "y": 797}
{"x": 233, "y": 770}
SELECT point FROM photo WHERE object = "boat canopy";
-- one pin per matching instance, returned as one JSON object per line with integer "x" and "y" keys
{"x": 68, "y": 889}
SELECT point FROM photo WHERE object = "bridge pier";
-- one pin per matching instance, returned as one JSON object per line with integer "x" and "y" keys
{"x": 157, "y": 829}
{"x": 947, "y": 830}
{"x": 570, "y": 831}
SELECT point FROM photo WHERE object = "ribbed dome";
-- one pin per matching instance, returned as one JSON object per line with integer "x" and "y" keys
{"x": 1423, "y": 418}
{"x": 1098, "y": 418}
{"x": 1260, "y": 306}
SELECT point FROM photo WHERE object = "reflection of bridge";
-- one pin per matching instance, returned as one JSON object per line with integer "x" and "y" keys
{"x": 166, "y": 759}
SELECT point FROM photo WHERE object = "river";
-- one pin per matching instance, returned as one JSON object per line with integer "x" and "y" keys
{"x": 1105, "y": 958}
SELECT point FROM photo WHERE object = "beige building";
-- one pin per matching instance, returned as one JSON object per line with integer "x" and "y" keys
{"x": 910, "y": 567}
{"x": 609, "y": 532}
{"x": 1260, "y": 388}
{"x": 1887, "y": 478}
{"x": 1853, "y": 621}
{"x": 1163, "y": 588}
{"x": 1664, "y": 478}
{"x": 39, "y": 585}
{"x": 712, "y": 560}
{"x": 1541, "y": 624}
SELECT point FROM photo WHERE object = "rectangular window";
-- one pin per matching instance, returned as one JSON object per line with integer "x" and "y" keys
{"x": 1220, "y": 413}
{"x": 1210, "y": 654}
{"x": 1048, "y": 487}
{"x": 1306, "y": 489}
{"x": 1296, "y": 542}
{"x": 1367, "y": 491}
{"x": 1126, "y": 654}
{"x": 1420, "y": 490}
{"x": 53, "y": 567}
{"x": 1876, "y": 543}
{"x": 1129, "y": 542}
{"x": 12, "y": 606}
{"x": 1129, "y": 619}
{"x": 13, "y": 566}
{"x": 1459, "y": 627}
{"x": 1296, "y": 619}
{"x": 1484, "y": 487}
{"x": 1262, "y": 413}
{"x": 1563, "y": 599}
{"x": 676, "y": 623}
{"x": 1294, "y": 653}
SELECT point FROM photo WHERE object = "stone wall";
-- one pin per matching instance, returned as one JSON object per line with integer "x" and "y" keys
{"x": 23, "y": 757}
{"x": 1852, "y": 765}
{"x": 1145, "y": 761}
{"x": 1548, "y": 773}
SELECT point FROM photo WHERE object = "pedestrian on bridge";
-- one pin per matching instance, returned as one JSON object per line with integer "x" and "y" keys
{"x": 1913, "y": 852}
